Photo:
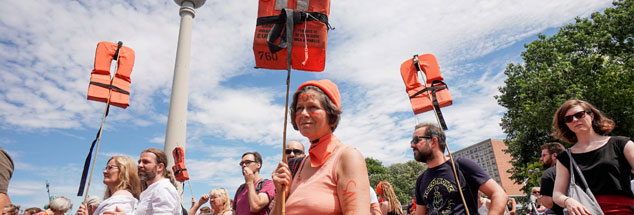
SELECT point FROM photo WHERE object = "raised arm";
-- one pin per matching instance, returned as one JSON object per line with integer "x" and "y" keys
{"x": 353, "y": 183}
{"x": 498, "y": 197}
{"x": 257, "y": 201}
{"x": 203, "y": 199}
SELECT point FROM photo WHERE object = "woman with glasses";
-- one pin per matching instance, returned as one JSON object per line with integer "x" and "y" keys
{"x": 219, "y": 201}
{"x": 333, "y": 179}
{"x": 122, "y": 186}
{"x": 605, "y": 161}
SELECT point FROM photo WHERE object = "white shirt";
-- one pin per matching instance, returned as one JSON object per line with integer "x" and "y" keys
{"x": 373, "y": 198}
{"x": 123, "y": 202}
{"x": 483, "y": 210}
{"x": 159, "y": 198}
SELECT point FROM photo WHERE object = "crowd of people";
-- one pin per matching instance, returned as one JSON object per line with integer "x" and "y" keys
{"x": 332, "y": 177}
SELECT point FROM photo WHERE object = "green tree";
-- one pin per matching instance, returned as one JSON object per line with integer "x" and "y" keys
{"x": 402, "y": 176}
{"x": 405, "y": 175}
{"x": 592, "y": 60}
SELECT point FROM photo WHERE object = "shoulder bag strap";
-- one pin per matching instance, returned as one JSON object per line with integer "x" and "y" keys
{"x": 574, "y": 165}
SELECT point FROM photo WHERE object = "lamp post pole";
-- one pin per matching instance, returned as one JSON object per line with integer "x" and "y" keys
{"x": 175, "y": 135}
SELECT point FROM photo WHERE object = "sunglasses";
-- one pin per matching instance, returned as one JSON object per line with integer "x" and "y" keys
{"x": 535, "y": 192}
{"x": 578, "y": 115}
{"x": 295, "y": 151}
{"x": 247, "y": 162}
{"x": 415, "y": 139}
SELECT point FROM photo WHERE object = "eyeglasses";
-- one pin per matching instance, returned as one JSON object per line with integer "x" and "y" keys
{"x": 108, "y": 168}
{"x": 415, "y": 139}
{"x": 295, "y": 151}
{"x": 247, "y": 162}
{"x": 578, "y": 115}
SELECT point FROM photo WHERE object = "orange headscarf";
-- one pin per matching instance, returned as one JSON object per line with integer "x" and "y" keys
{"x": 379, "y": 188}
{"x": 331, "y": 89}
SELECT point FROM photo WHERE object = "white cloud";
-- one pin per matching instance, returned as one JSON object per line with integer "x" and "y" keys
{"x": 49, "y": 49}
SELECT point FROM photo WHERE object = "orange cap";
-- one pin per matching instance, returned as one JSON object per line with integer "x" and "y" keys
{"x": 328, "y": 87}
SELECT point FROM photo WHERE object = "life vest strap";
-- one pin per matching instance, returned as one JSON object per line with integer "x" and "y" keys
{"x": 110, "y": 86}
{"x": 279, "y": 21}
{"x": 84, "y": 174}
{"x": 116, "y": 53}
{"x": 179, "y": 171}
{"x": 434, "y": 101}
{"x": 432, "y": 89}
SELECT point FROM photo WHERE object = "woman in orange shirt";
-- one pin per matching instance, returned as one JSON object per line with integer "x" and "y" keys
{"x": 333, "y": 179}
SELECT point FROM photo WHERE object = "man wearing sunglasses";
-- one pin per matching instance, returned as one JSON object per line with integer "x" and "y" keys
{"x": 294, "y": 149}
{"x": 254, "y": 196}
{"x": 436, "y": 190}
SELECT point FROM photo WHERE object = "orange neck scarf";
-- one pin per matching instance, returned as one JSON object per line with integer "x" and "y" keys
{"x": 321, "y": 149}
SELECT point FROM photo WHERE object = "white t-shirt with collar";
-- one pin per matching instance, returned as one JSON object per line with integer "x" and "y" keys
{"x": 160, "y": 198}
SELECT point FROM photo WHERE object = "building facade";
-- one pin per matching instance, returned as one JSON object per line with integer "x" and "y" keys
{"x": 491, "y": 157}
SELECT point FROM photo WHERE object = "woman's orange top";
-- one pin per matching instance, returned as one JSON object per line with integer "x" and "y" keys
{"x": 317, "y": 194}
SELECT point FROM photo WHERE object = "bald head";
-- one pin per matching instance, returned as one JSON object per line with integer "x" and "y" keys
{"x": 294, "y": 149}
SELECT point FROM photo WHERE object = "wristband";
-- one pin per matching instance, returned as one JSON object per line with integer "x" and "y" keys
{"x": 565, "y": 205}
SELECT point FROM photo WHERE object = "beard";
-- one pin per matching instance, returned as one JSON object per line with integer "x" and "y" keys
{"x": 547, "y": 164}
{"x": 147, "y": 174}
{"x": 423, "y": 156}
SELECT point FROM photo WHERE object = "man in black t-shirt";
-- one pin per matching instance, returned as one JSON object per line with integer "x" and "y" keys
{"x": 436, "y": 188}
{"x": 549, "y": 161}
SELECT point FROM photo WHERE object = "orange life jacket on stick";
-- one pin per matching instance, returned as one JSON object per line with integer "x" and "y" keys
{"x": 100, "y": 87}
{"x": 284, "y": 24}
{"x": 100, "y": 82}
{"x": 180, "y": 171}
{"x": 419, "y": 93}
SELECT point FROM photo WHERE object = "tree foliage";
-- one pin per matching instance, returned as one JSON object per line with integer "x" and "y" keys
{"x": 591, "y": 59}
{"x": 402, "y": 176}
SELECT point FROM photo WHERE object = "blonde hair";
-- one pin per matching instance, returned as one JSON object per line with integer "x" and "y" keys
{"x": 390, "y": 197}
{"x": 128, "y": 176}
{"x": 222, "y": 193}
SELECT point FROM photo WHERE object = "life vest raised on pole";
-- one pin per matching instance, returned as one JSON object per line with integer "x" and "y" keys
{"x": 179, "y": 169}
{"x": 100, "y": 79}
{"x": 310, "y": 33}
{"x": 418, "y": 92}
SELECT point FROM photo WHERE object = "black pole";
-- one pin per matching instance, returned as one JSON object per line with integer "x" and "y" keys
{"x": 48, "y": 191}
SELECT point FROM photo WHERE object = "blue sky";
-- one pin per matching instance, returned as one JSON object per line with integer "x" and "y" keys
{"x": 47, "y": 125}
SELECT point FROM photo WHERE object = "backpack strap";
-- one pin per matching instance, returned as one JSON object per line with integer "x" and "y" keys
{"x": 258, "y": 187}
{"x": 235, "y": 198}
{"x": 469, "y": 193}
{"x": 294, "y": 164}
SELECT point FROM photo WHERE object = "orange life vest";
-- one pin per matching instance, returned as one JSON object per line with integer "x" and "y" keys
{"x": 100, "y": 82}
{"x": 418, "y": 92}
{"x": 308, "y": 20}
{"x": 180, "y": 172}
